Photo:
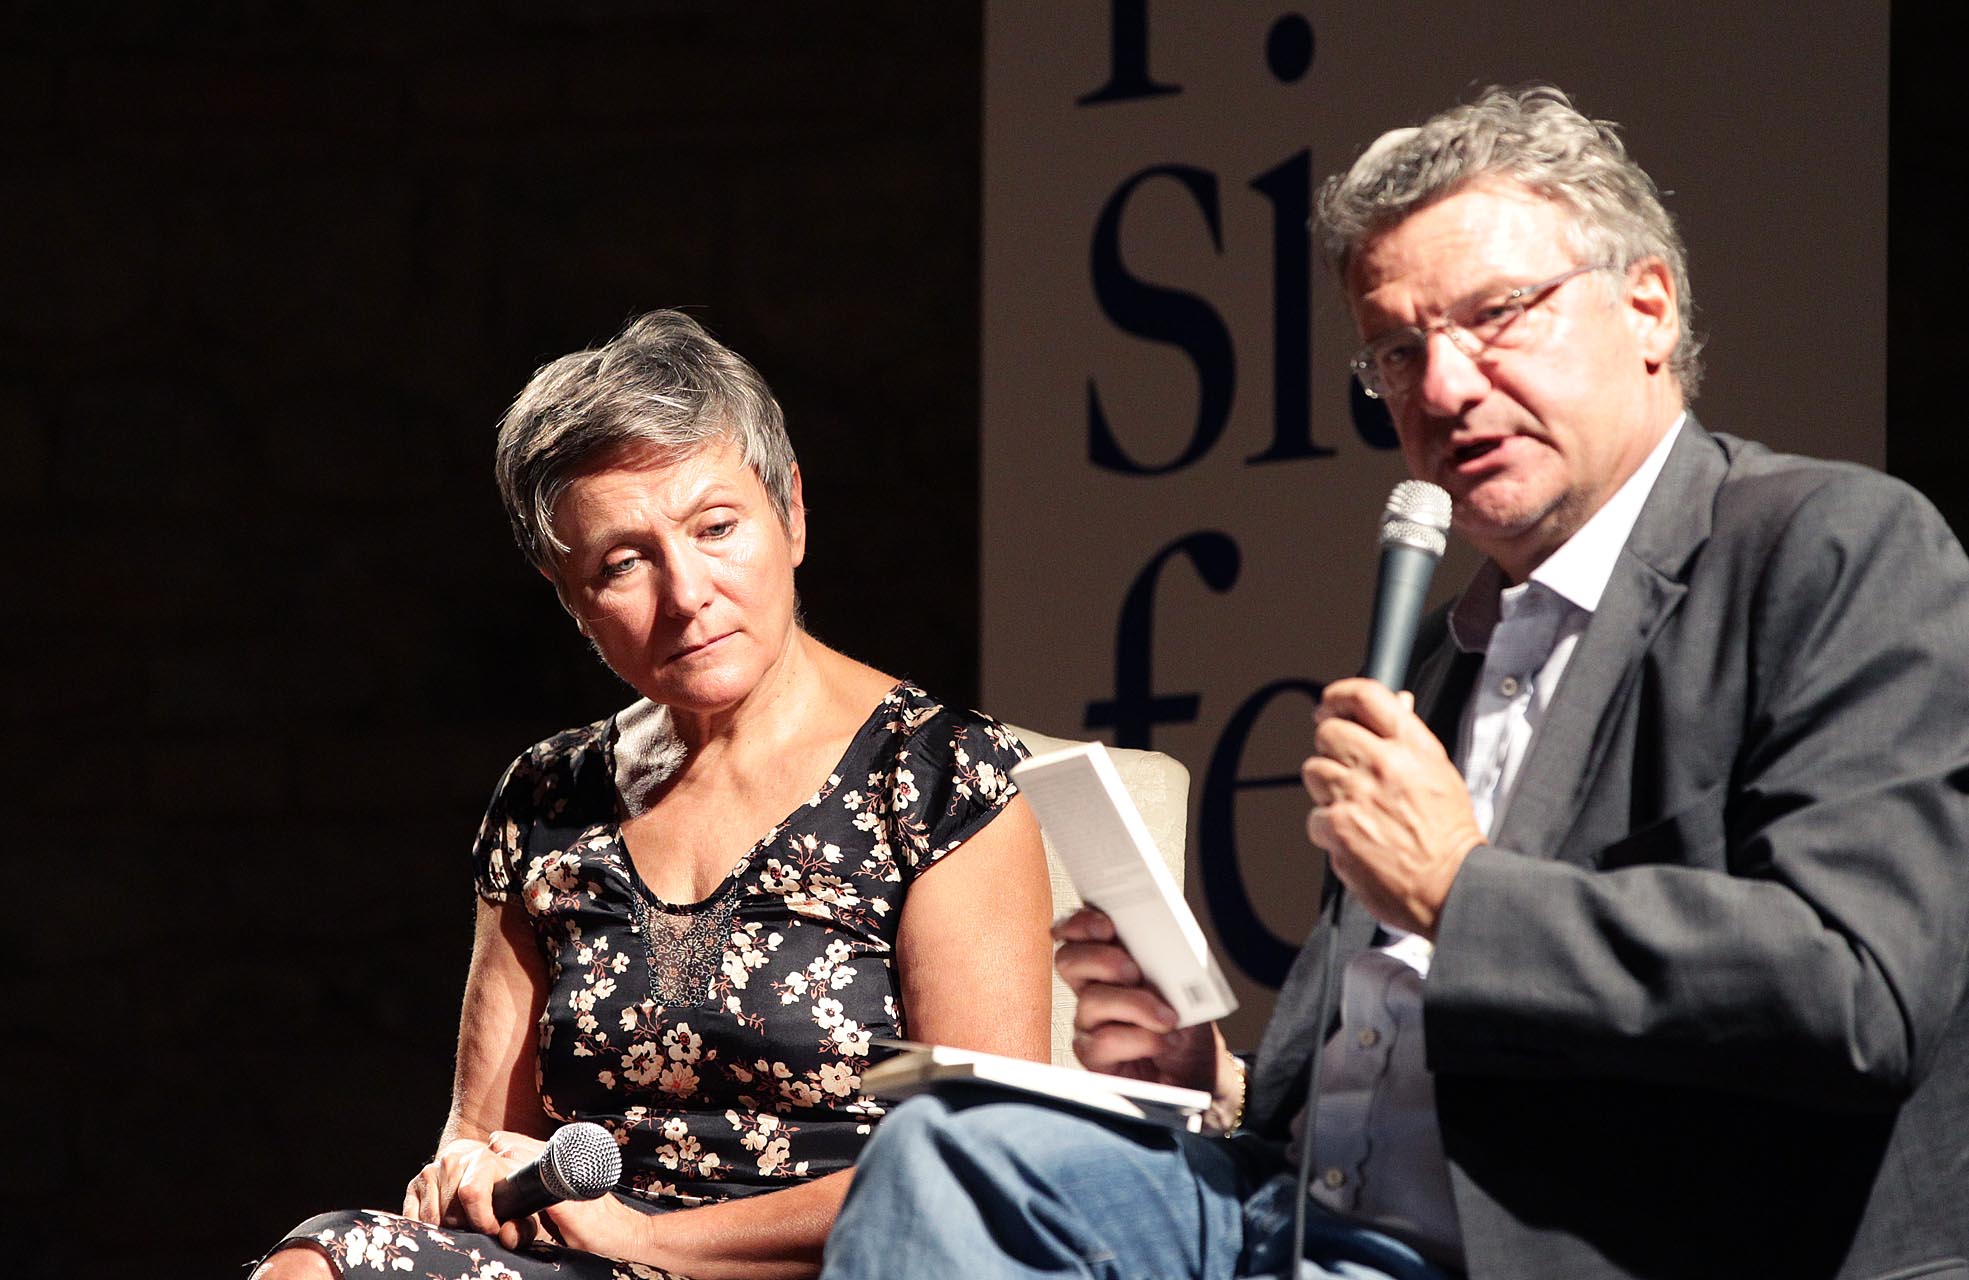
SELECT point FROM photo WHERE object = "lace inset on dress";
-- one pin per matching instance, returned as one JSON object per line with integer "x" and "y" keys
{"x": 684, "y": 946}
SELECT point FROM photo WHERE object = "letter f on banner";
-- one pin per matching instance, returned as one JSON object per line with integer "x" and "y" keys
{"x": 1134, "y": 710}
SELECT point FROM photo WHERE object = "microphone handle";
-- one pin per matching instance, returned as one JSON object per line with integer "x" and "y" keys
{"x": 1400, "y": 593}
{"x": 521, "y": 1193}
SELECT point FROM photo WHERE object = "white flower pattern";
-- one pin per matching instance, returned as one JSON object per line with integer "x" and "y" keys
{"x": 759, "y": 1083}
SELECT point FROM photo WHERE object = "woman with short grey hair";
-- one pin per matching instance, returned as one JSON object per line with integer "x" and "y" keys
{"x": 696, "y": 915}
{"x": 664, "y": 384}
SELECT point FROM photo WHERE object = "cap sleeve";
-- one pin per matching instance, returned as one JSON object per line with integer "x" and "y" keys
{"x": 496, "y": 854}
{"x": 554, "y": 786}
{"x": 953, "y": 777}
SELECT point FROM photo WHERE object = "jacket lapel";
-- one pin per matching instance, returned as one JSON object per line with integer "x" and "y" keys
{"x": 1647, "y": 585}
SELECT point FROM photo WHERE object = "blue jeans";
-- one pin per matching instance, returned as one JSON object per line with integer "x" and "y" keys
{"x": 965, "y": 1182}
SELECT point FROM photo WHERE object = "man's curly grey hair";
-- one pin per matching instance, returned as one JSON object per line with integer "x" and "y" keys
{"x": 1535, "y": 137}
{"x": 663, "y": 384}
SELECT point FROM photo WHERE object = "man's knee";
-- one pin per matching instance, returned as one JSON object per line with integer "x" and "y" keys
{"x": 970, "y": 1133}
{"x": 968, "y": 1120}
{"x": 965, "y": 1181}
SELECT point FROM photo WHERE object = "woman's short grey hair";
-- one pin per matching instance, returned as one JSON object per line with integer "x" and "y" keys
{"x": 1536, "y": 138}
{"x": 664, "y": 385}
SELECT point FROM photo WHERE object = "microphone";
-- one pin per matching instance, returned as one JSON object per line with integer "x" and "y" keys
{"x": 1414, "y": 529}
{"x": 581, "y": 1162}
{"x": 1414, "y": 534}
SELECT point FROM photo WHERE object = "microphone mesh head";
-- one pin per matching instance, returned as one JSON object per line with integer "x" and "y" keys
{"x": 1417, "y": 515}
{"x": 581, "y": 1162}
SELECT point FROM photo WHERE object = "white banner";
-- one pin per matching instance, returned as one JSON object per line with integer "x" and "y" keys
{"x": 1179, "y": 499}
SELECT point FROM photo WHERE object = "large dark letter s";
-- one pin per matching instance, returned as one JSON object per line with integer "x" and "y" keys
{"x": 1163, "y": 315}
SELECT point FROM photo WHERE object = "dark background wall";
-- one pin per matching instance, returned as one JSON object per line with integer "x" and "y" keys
{"x": 269, "y": 271}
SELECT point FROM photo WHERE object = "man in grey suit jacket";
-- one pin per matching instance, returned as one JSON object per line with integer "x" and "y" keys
{"x": 1657, "y": 968}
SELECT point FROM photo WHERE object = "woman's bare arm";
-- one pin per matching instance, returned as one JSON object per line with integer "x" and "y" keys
{"x": 973, "y": 951}
{"x": 505, "y": 991}
{"x": 493, "y": 1086}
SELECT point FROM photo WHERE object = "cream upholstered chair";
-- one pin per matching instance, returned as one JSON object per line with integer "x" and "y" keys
{"x": 1160, "y": 787}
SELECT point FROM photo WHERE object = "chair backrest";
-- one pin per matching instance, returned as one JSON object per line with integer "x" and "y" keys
{"x": 1160, "y": 787}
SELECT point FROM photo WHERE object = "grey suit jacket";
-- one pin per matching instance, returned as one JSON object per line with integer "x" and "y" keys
{"x": 1698, "y": 1009}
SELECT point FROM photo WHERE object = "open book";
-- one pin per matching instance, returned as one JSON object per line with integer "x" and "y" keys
{"x": 1099, "y": 837}
{"x": 918, "y": 1066}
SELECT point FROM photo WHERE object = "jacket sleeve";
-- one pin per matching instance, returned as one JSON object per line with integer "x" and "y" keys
{"x": 1799, "y": 928}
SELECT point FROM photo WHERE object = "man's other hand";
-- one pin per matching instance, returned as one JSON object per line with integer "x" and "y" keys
{"x": 1123, "y": 1027}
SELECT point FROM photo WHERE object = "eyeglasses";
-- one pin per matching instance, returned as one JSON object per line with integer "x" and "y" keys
{"x": 1390, "y": 366}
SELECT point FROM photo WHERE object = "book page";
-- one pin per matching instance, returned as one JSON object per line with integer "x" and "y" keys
{"x": 919, "y": 1066}
{"x": 1099, "y": 836}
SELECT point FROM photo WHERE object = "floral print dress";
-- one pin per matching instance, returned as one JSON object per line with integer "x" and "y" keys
{"x": 722, "y": 1042}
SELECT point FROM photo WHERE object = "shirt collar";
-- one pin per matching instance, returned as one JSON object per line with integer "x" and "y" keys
{"x": 1578, "y": 572}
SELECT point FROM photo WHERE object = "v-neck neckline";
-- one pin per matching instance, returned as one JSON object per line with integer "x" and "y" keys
{"x": 897, "y": 693}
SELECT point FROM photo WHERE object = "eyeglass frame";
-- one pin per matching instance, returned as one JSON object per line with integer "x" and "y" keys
{"x": 1519, "y": 300}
